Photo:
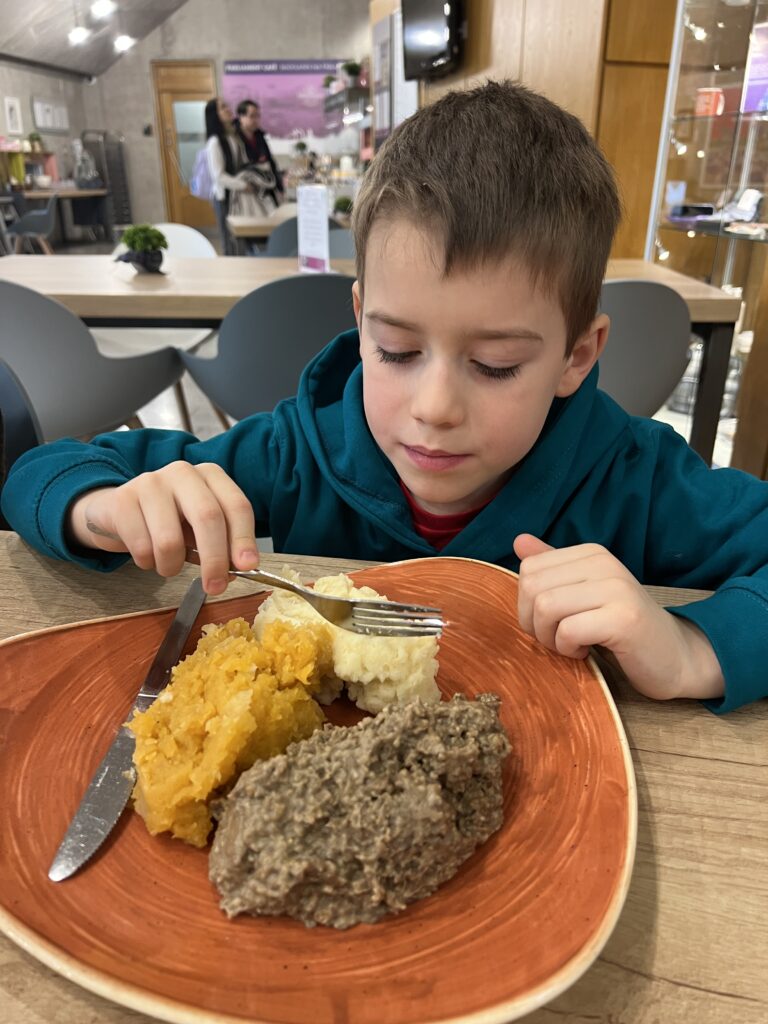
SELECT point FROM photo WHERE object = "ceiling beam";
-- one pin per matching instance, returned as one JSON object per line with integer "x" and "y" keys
{"x": 36, "y": 65}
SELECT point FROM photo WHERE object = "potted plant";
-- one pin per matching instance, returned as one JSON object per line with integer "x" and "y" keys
{"x": 352, "y": 70}
{"x": 343, "y": 205}
{"x": 328, "y": 82}
{"x": 36, "y": 142}
{"x": 145, "y": 248}
{"x": 300, "y": 147}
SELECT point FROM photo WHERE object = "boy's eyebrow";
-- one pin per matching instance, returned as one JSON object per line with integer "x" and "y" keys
{"x": 482, "y": 334}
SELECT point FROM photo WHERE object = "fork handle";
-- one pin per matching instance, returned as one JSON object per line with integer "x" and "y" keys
{"x": 254, "y": 575}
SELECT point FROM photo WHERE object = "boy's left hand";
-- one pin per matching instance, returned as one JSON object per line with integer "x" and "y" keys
{"x": 575, "y": 598}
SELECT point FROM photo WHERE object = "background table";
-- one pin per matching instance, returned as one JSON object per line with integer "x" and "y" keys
{"x": 96, "y": 196}
{"x": 200, "y": 292}
{"x": 191, "y": 292}
{"x": 691, "y": 944}
{"x": 261, "y": 227}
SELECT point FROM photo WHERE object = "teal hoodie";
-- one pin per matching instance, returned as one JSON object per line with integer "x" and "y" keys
{"x": 319, "y": 485}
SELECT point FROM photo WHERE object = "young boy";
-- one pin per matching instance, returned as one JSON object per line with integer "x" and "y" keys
{"x": 464, "y": 419}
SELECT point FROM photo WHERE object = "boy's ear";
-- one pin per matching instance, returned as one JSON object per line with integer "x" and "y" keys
{"x": 585, "y": 354}
{"x": 356, "y": 303}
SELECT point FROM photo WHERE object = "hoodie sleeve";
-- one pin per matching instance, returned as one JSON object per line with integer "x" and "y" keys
{"x": 45, "y": 481}
{"x": 708, "y": 528}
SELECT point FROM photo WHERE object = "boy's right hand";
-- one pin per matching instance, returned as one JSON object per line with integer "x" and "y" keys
{"x": 156, "y": 516}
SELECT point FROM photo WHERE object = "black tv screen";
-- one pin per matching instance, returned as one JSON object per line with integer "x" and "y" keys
{"x": 432, "y": 37}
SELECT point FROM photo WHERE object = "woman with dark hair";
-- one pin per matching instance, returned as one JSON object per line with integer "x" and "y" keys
{"x": 248, "y": 127}
{"x": 225, "y": 158}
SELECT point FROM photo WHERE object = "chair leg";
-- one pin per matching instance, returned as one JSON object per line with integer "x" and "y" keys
{"x": 221, "y": 415}
{"x": 18, "y": 247}
{"x": 134, "y": 423}
{"x": 181, "y": 401}
{"x": 45, "y": 245}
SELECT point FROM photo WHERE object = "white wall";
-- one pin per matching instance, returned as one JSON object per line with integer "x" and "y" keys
{"x": 122, "y": 98}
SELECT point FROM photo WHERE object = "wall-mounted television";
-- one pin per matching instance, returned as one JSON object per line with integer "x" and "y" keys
{"x": 433, "y": 36}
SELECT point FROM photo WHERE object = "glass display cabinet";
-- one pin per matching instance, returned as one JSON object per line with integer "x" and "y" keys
{"x": 710, "y": 208}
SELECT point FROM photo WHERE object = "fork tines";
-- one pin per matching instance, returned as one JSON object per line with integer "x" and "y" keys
{"x": 386, "y": 618}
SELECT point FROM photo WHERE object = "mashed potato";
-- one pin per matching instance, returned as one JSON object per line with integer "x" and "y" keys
{"x": 377, "y": 671}
{"x": 234, "y": 701}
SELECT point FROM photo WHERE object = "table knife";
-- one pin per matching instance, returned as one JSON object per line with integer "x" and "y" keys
{"x": 109, "y": 789}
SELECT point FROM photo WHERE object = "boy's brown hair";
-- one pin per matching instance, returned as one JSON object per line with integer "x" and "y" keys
{"x": 500, "y": 171}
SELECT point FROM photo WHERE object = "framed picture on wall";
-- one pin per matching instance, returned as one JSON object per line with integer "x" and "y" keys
{"x": 13, "y": 122}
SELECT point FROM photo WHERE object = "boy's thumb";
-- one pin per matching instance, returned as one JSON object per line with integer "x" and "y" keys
{"x": 526, "y": 545}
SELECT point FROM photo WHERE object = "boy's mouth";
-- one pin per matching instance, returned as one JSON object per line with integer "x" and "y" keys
{"x": 433, "y": 458}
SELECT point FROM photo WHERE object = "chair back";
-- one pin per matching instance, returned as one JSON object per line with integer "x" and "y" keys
{"x": 341, "y": 245}
{"x": 186, "y": 241}
{"x": 267, "y": 339}
{"x": 19, "y": 427}
{"x": 647, "y": 350}
{"x": 36, "y": 222}
{"x": 74, "y": 389}
{"x": 183, "y": 242}
{"x": 284, "y": 240}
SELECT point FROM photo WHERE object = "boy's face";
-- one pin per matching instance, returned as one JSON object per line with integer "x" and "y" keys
{"x": 459, "y": 373}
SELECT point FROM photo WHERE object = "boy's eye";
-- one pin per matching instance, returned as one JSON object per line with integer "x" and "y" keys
{"x": 497, "y": 372}
{"x": 385, "y": 356}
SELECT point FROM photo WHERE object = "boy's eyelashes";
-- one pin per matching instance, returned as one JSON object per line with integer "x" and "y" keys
{"x": 492, "y": 372}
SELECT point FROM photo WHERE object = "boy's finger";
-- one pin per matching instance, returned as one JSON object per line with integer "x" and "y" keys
{"x": 134, "y": 534}
{"x": 525, "y": 545}
{"x": 163, "y": 522}
{"x": 238, "y": 513}
{"x": 202, "y": 511}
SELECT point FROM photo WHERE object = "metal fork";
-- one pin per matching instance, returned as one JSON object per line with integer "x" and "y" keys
{"x": 371, "y": 618}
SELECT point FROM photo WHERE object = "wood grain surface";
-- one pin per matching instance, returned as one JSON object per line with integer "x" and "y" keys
{"x": 96, "y": 286}
{"x": 691, "y": 944}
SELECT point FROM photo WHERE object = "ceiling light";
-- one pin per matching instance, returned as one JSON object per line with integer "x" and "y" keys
{"x": 123, "y": 43}
{"x": 78, "y": 35}
{"x": 103, "y": 8}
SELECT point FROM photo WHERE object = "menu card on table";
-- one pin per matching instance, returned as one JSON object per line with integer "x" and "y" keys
{"x": 312, "y": 203}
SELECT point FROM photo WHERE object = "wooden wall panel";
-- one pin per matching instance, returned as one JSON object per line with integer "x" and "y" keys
{"x": 628, "y": 133}
{"x": 563, "y": 52}
{"x": 640, "y": 31}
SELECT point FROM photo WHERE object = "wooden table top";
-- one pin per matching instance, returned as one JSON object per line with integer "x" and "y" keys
{"x": 65, "y": 193}
{"x": 691, "y": 944}
{"x": 96, "y": 286}
{"x": 261, "y": 227}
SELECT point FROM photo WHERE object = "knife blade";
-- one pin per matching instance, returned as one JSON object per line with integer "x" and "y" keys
{"x": 109, "y": 789}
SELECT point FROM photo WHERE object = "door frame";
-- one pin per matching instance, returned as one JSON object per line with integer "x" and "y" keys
{"x": 158, "y": 67}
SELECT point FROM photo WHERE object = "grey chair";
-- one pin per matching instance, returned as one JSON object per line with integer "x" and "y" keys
{"x": 647, "y": 350}
{"x": 19, "y": 427}
{"x": 341, "y": 245}
{"x": 284, "y": 240}
{"x": 36, "y": 225}
{"x": 268, "y": 337}
{"x": 75, "y": 391}
{"x": 116, "y": 342}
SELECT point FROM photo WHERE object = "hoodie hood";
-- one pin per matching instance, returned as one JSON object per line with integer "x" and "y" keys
{"x": 578, "y": 433}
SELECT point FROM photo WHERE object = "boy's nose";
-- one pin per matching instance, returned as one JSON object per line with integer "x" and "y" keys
{"x": 437, "y": 399}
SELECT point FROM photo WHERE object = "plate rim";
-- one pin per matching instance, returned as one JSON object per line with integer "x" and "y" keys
{"x": 155, "y": 1005}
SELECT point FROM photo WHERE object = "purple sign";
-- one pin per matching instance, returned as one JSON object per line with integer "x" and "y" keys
{"x": 290, "y": 93}
{"x": 756, "y": 78}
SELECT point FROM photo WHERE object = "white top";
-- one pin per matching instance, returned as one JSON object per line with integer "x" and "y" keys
{"x": 217, "y": 167}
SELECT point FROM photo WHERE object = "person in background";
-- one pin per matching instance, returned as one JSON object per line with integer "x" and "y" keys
{"x": 225, "y": 158}
{"x": 248, "y": 127}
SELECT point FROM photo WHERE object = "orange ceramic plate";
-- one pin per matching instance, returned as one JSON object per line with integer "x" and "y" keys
{"x": 525, "y": 916}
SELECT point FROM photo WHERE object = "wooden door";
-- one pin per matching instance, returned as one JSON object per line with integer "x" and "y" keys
{"x": 182, "y": 88}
